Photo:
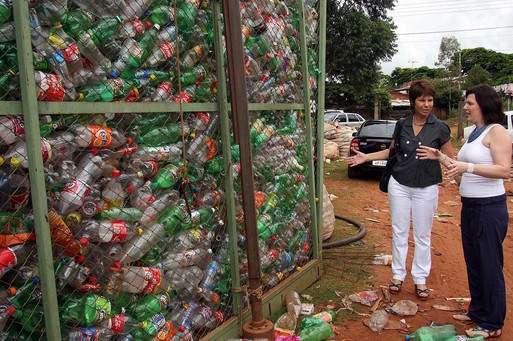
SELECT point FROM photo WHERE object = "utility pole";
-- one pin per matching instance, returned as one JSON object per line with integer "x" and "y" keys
{"x": 460, "y": 104}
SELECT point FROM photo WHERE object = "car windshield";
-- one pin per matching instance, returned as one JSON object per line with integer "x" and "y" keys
{"x": 330, "y": 115}
{"x": 378, "y": 129}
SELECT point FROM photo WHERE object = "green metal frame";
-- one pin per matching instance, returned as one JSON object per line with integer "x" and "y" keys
{"x": 31, "y": 109}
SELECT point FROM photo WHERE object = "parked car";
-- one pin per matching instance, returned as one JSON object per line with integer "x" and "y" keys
{"x": 508, "y": 124}
{"x": 373, "y": 136}
{"x": 343, "y": 118}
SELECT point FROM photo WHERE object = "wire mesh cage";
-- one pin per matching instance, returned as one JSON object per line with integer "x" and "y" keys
{"x": 138, "y": 209}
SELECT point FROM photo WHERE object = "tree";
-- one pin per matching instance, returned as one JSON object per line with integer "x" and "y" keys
{"x": 400, "y": 76}
{"x": 359, "y": 36}
{"x": 448, "y": 55}
{"x": 477, "y": 75}
{"x": 499, "y": 65}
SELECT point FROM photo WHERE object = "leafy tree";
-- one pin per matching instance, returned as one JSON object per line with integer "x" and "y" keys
{"x": 499, "y": 65}
{"x": 400, "y": 76}
{"x": 359, "y": 36}
{"x": 477, "y": 75}
{"x": 448, "y": 55}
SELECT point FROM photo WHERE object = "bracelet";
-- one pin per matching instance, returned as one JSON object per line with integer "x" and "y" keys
{"x": 470, "y": 168}
{"x": 444, "y": 158}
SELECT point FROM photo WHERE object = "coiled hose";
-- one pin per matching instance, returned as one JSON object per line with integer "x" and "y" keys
{"x": 362, "y": 231}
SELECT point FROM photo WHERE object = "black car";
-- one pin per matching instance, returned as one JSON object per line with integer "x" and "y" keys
{"x": 373, "y": 136}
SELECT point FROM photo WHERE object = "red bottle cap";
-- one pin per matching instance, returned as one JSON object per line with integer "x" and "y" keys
{"x": 116, "y": 266}
{"x": 116, "y": 173}
{"x": 84, "y": 241}
{"x": 80, "y": 259}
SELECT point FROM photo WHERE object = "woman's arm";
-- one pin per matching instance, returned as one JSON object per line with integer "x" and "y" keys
{"x": 500, "y": 147}
{"x": 360, "y": 157}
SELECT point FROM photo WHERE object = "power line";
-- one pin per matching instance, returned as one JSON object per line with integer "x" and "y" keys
{"x": 479, "y": 37}
{"x": 463, "y": 10}
{"x": 451, "y": 31}
{"x": 450, "y": 6}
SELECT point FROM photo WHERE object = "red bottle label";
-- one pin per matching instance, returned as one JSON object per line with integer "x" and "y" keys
{"x": 153, "y": 276}
{"x": 18, "y": 201}
{"x": 119, "y": 231}
{"x": 45, "y": 150}
{"x": 203, "y": 117}
{"x": 118, "y": 324}
{"x": 166, "y": 87}
{"x": 17, "y": 127}
{"x": 138, "y": 26}
{"x": 7, "y": 260}
{"x": 50, "y": 88}
{"x": 71, "y": 53}
{"x": 167, "y": 49}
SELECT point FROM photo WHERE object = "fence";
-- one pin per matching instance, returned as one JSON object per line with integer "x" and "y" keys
{"x": 116, "y": 123}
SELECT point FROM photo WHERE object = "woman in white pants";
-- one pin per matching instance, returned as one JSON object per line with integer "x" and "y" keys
{"x": 413, "y": 186}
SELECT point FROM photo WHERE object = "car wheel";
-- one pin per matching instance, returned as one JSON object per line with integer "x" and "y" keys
{"x": 353, "y": 173}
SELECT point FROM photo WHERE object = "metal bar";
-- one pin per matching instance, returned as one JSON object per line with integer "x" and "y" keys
{"x": 321, "y": 93}
{"x": 308, "y": 120}
{"x": 36, "y": 171}
{"x": 228, "y": 170}
{"x": 57, "y": 108}
{"x": 238, "y": 94}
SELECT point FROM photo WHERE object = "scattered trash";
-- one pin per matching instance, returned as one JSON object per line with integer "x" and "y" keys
{"x": 445, "y": 307}
{"x": 462, "y": 317}
{"x": 386, "y": 293}
{"x": 307, "y": 309}
{"x": 286, "y": 325}
{"x": 315, "y": 329}
{"x": 328, "y": 161}
{"x": 326, "y": 316}
{"x": 438, "y": 253}
{"x": 287, "y": 338}
{"x": 293, "y": 303}
{"x": 382, "y": 259}
{"x": 405, "y": 308}
{"x": 373, "y": 220}
{"x": 458, "y": 299}
{"x": 364, "y": 297}
{"x": 445, "y": 332}
{"x": 396, "y": 325}
{"x": 377, "y": 321}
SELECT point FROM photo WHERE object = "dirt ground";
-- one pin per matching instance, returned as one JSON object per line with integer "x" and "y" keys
{"x": 362, "y": 200}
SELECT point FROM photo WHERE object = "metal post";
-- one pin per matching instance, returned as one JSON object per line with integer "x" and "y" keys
{"x": 225, "y": 138}
{"x": 321, "y": 95}
{"x": 36, "y": 171}
{"x": 308, "y": 120}
{"x": 257, "y": 327}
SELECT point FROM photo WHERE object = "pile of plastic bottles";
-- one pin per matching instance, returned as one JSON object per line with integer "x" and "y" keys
{"x": 136, "y": 201}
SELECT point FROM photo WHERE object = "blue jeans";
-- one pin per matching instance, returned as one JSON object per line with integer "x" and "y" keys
{"x": 484, "y": 224}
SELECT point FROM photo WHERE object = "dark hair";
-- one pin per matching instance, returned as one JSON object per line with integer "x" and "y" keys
{"x": 489, "y": 102}
{"x": 419, "y": 89}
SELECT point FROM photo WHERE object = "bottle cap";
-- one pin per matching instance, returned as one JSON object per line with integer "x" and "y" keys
{"x": 116, "y": 173}
{"x": 116, "y": 266}
{"x": 114, "y": 74}
{"x": 139, "y": 231}
{"x": 130, "y": 140}
{"x": 15, "y": 162}
{"x": 11, "y": 291}
{"x": 10, "y": 310}
{"x": 84, "y": 241}
{"x": 80, "y": 259}
{"x": 80, "y": 97}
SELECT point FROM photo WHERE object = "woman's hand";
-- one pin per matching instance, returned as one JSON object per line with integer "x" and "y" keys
{"x": 357, "y": 159}
{"x": 456, "y": 168}
{"x": 428, "y": 153}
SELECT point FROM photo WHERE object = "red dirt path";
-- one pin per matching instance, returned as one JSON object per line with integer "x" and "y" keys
{"x": 448, "y": 276}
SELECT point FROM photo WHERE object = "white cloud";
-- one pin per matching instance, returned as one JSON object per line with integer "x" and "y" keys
{"x": 427, "y": 16}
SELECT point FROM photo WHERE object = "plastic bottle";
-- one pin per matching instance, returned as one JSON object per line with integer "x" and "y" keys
{"x": 149, "y": 306}
{"x": 139, "y": 245}
{"x": 164, "y": 153}
{"x": 432, "y": 333}
{"x": 13, "y": 256}
{"x": 167, "y": 177}
{"x": 88, "y": 310}
{"x": 107, "y": 91}
{"x": 185, "y": 278}
{"x": 293, "y": 303}
{"x": 173, "y": 260}
{"x": 108, "y": 231}
{"x": 211, "y": 272}
{"x": 139, "y": 280}
{"x": 5, "y": 11}
{"x": 154, "y": 209}
{"x": 62, "y": 235}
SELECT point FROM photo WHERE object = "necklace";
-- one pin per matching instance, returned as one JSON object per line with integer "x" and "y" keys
{"x": 417, "y": 124}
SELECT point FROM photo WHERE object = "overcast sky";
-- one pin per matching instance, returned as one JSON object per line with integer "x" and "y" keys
{"x": 466, "y": 16}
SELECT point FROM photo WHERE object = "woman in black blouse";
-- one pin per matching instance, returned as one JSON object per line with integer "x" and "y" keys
{"x": 413, "y": 186}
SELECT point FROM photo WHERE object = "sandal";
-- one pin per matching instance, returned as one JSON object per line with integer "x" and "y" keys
{"x": 462, "y": 317}
{"x": 484, "y": 333}
{"x": 422, "y": 294}
{"x": 395, "y": 288}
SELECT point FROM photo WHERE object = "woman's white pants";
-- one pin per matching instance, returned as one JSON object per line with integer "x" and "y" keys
{"x": 417, "y": 205}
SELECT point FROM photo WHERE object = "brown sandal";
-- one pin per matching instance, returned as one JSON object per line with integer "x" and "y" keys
{"x": 484, "y": 333}
{"x": 395, "y": 288}
{"x": 422, "y": 294}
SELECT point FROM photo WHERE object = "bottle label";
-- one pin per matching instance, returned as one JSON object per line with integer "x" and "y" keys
{"x": 50, "y": 88}
{"x": 119, "y": 231}
{"x": 89, "y": 334}
{"x": 204, "y": 117}
{"x": 7, "y": 260}
{"x": 101, "y": 136}
{"x": 153, "y": 276}
{"x": 118, "y": 324}
{"x": 167, "y": 49}
{"x": 166, "y": 333}
{"x": 166, "y": 87}
{"x": 46, "y": 150}
{"x": 71, "y": 53}
{"x": 17, "y": 127}
{"x": 154, "y": 324}
{"x": 18, "y": 201}
{"x": 138, "y": 26}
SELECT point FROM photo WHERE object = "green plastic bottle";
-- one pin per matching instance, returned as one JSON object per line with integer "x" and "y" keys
{"x": 76, "y": 21}
{"x": 175, "y": 217}
{"x": 127, "y": 214}
{"x": 57, "y": 122}
{"x": 215, "y": 166}
{"x": 5, "y": 11}
{"x": 167, "y": 177}
{"x": 149, "y": 306}
{"x": 25, "y": 294}
{"x": 315, "y": 329}
{"x": 87, "y": 310}
{"x": 135, "y": 59}
{"x": 146, "y": 123}
{"x": 439, "y": 333}
{"x": 186, "y": 15}
{"x": 104, "y": 29}
{"x": 161, "y": 136}
{"x": 31, "y": 319}
{"x": 193, "y": 76}
{"x": 107, "y": 91}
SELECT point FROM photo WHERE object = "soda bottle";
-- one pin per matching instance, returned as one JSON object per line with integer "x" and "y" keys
{"x": 108, "y": 231}
{"x": 162, "y": 53}
{"x": 76, "y": 21}
{"x": 163, "y": 92}
{"x": 104, "y": 30}
{"x": 128, "y": 214}
{"x": 14, "y": 255}
{"x": 146, "y": 169}
{"x": 107, "y": 91}
{"x": 88, "y": 310}
{"x": 154, "y": 209}
{"x": 73, "y": 274}
{"x": 92, "y": 53}
{"x": 173, "y": 260}
{"x": 161, "y": 136}
{"x": 210, "y": 198}
{"x": 11, "y": 129}
{"x": 434, "y": 333}
{"x": 139, "y": 245}
{"x": 131, "y": 29}
{"x": 5, "y": 11}
{"x": 191, "y": 239}
{"x": 185, "y": 278}
{"x": 211, "y": 272}
{"x": 204, "y": 317}
{"x": 193, "y": 56}
{"x": 149, "y": 306}
{"x": 167, "y": 34}
{"x": 49, "y": 87}
{"x": 6, "y": 311}
{"x": 138, "y": 280}
{"x": 196, "y": 75}
{"x": 114, "y": 193}
{"x": 161, "y": 154}
{"x": 167, "y": 176}
{"x": 62, "y": 235}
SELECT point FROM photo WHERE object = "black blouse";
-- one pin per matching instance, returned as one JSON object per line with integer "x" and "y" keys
{"x": 410, "y": 170}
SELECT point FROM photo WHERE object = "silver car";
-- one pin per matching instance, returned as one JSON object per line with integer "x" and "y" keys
{"x": 343, "y": 118}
